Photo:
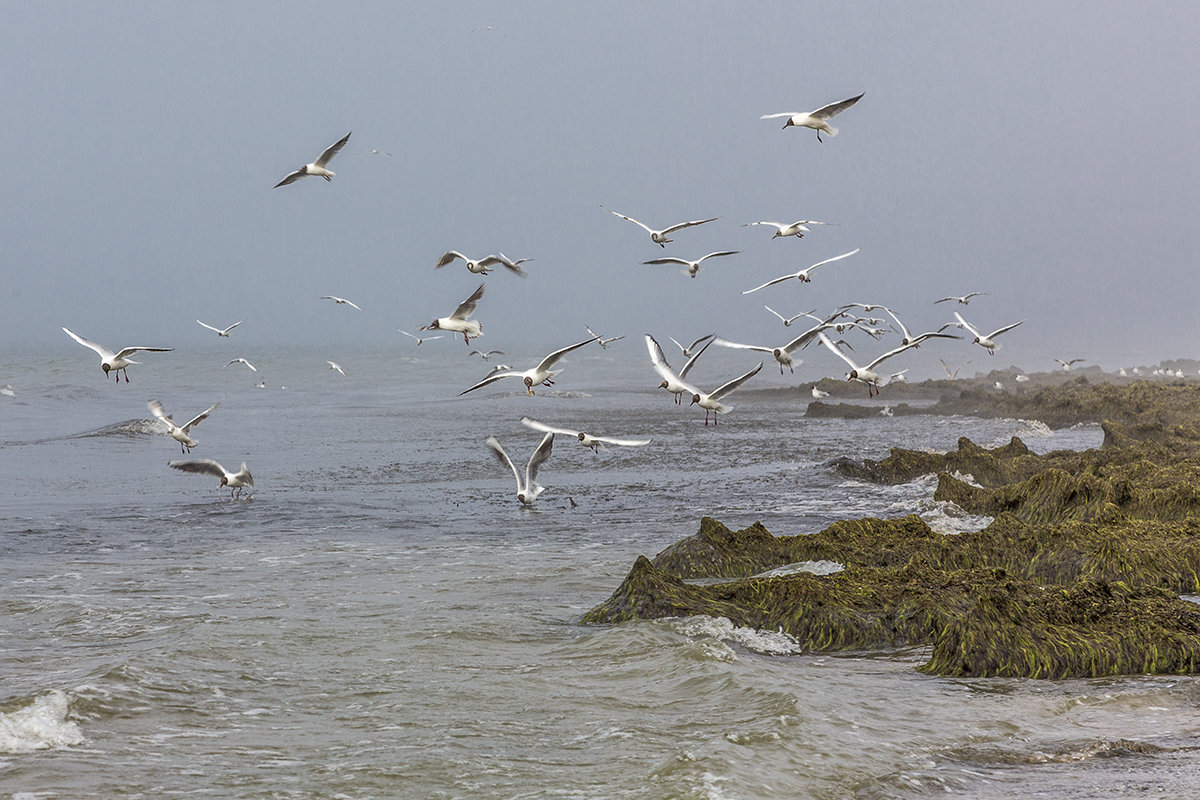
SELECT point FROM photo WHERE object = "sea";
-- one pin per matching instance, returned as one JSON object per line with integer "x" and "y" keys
{"x": 378, "y": 617}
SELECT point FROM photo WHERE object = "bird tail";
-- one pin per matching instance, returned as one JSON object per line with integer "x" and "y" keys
{"x": 830, "y": 130}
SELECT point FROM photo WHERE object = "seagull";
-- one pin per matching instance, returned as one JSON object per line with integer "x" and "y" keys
{"x": 954, "y": 374}
{"x": 965, "y": 299}
{"x": 118, "y": 361}
{"x": 867, "y": 374}
{"x": 817, "y": 120}
{"x": 333, "y": 365}
{"x": 1025, "y": 378}
{"x": 1066, "y": 365}
{"x": 660, "y": 237}
{"x": 710, "y": 401}
{"x": 487, "y": 355}
{"x": 986, "y": 342}
{"x": 243, "y": 361}
{"x": 604, "y": 343}
{"x": 797, "y": 229}
{"x": 586, "y": 439}
{"x": 236, "y": 481}
{"x": 783, "y": 353}
{"x": 787, "y": 321}
{"x": 222, "y": 331}
{"x": 818, "y": 394}
{"x": 421, "y": 339}
{"x": 690, "y": 350}
{"x": 803, "y": 275}
{"x": 672, "y": 382}
{"x": 692, "y": 267}
{"x": 529, "y": 489}
{"x": 180, "y": 432}
{"x": 542, "y": 374}
{"x": 906, "y": 336}
{"x": 317, "y": 167}
{"x": 458, "y": 322}
{"x": 341, "y": 301}
{"x": 482, "y": 266}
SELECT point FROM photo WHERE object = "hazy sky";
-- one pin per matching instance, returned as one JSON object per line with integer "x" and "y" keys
{"x": 1045, "y": 153}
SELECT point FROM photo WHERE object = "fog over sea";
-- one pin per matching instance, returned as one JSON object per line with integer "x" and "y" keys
{"x": 381, "y": 619}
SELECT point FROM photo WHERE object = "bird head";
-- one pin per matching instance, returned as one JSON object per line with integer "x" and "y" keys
{"x": 695, "y": 399}
{"x": 852, "y": 374}
{"x": 105, "y": 367}
{"x": 663, "y": 385}
{"x": 581, "y": 435}
{"x": 433, "y": 326}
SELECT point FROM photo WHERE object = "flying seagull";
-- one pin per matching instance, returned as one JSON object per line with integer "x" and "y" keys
{"x": 458, "y": 321}
{"x": 180, "y": 432}
{"x": 600, "y": 340}
{"x": 804, "y": 275}
{"x": 482, "y": 266}
{"x": 487, "y": 355}
{"x": 527, "y": 489}
{"x": 817, "y": 120}
{"x": 1066, "y": 365}
{"x": 986, "y": 342}
{"x": 787, "y": 321}
{"x": 317, "y": 167}
{"x": 711, "y": 401}
{"x": 333, "y": 365}
{"x": 420, "y": 339}
{"x": 965, "y": 299}
{"x": 586, "y": 439}
{"x": 690, "y": 350}
{"x": 906, "y": 336}
{"x": 673, "y": 382}
{"x": 243, "y": 361}
{"x": 118, "y": 361}
{"x": 783, "y": 353}
{"x": 341, "y": 301}
{"x": 867, "y": 374}
{"x": 797, "y": 229}
{"x": 541, "y": 375}
{"x": 691, "y": 267}
{"x": 222, "y": 331}
{"x": 660, "y": 237}
{"x": 236, "y": 481}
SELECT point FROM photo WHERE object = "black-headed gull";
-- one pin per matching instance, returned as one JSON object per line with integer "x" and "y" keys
{"x": 803, "y": 275}
{"x": 420, "y": 339}
{"x": 596, "y": 443}
{"x": 118, "y": 361}
{"x": 952, "y": 375}
{"x": 690, "y": 350}
{"x": 867, "y": 374}
{"x": 691, "y": 267}
{"x": 541, "y": 375}
{"x": 660, "y": 237}
{"x": 783, "y": 353}
{"x": 333, "y": 365}
{"x": 673, "y": 382}
{"x": 964, "y": 299}
{"x": 221, "y": 331}
{"x": 485, "y": 355}
{"x": 818, "y": 394}
{"x": 180, "y": 432}
{"x": 1066, "y": 365}
{"x": 236, "y": 481}
{"x": 458, "y": 321}
{"x": 817, "y": 120}
{"x": 527, "y": 489}
{"x": 907, "y": 337}
{"x": 341, "y": 301}
{"x": 600, "y": 340}
{"x": 317, "y": 167}
{"x": 243, "y": 361}
{"x": 797, "y": 228}
{"x": 986, "y": 342}
{"x": 482, "y": 266}
{"x": 787, "y": 321}
{"x": 710, "y": 401}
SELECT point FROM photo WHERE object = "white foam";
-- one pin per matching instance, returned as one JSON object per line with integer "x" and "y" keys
{"x": 41, "y": 725}
{"x": 721, "y": 629}
{"x": 815, "y": 567}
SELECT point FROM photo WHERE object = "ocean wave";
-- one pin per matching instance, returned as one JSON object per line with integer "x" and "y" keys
{"x": 41, "y": 725}
{"x": 721, "y": 630}
{"x": 128, "y": 428}
{"x": 815, "y": 567}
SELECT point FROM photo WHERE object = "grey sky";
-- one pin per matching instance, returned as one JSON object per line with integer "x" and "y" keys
{"x": 1044, "y": 153}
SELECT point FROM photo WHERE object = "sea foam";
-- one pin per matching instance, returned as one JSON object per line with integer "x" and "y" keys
{"x": 41, "y": 725}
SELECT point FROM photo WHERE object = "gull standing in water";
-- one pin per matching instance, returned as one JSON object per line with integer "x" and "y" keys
{"x": 803, "y": 275}
{"x": 317, "y": 167}
{"x": 586, "y": 439}
{"x": 458, "y": 321}
{"x": 341, "y": 301}
{"x": 672, "y": 382}
{"x": 222, "y": 331}
{"x": 118, "y": 361}
{"x": 797, "y": 229}
{"x": 867, "y": 374}
{"x": 236, "y": 481}
{"x": 180, "y": 432}
{"x": 527, "y": 489}
{"x": 660, "y": 237}
{"x": 691, "y": 267}
{"x": 816, "y": 120}
{"x": 420, "y": 339}
{"x": 243, "y": 361}
{"x": 710, "y": 401}
{"x": 541, "y": 375}
{"x": 986, "y": 342}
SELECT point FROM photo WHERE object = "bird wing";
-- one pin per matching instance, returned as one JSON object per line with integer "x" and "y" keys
{"x": 835, "y": 258}
{"x": 669, "y": 260}
{"x": 805, "y": 339}
{"x": 662, "y": 367}
{"x": 718, "y": 393}
{"x": 682, "y": 225}
{"x": 825, "y": 340}
{"x": 418, "y": 338}
{"x": 622, "y": 442}
{"x": 930, "y": 335}
{"x": 944, "y": 300}
{"x": 687, "y": 366}
{"x": 448, "y": 258}
{"x": 291, "y": 177}
{"x": 973, "y": 294}
{"x": 203, "y": 415}
{"x": 780, "y": 279}
{"x": 492, "y": 377}
{"x": 949, "y": 374}
{"x": 211, "y": 328}
{"x": 903, "y": 330}
{"x": 99, "y": 348}
{"x": 833, "y": 109}
{"x": 231, "y": 327}
{"x": 536, "y": 460}
{"x": 726, "y": 343}
{"x": 718, "y": 254}
{"x": 332, "y": 151}
{"x": 641, "y": 225}
{"x": 779, "y": 225}
{"x": 125, "y": 352}
{"x": 544, "y": 428}
{"x": 776, "y": 116}
{"x": 967, "y": 325}
{"x": 352, "y": 305}
{"x": 157, "y": 410}
{"x": 552, "y": 359}
{"x": 514, "y": 266}
{"x": 503, "y": 458}
{"x": 204, "y": 466}
{"x": 776, "y": 313}
{"x": 888, "y": 355}
{"x": 467, "y": 307}
{"x": 243, "y": 361}
{"x": 994, "y": 334}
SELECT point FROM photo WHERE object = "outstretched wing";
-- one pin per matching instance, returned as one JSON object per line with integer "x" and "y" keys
{"x": 776, "y": 116}
{"x": 332, "y": 151}
{"x": 467, "y": 307}
{"x": 211, "y": 328}
{"x": 291, "y": 177}
{"x": 157, "y": 410}
{"x": 663, "y": 368}
{"x": 833, "y": 109}
{"x": 544, "y": 428}
{"x": 202, "y": 466}
{"x": 668, "y": 260}
{"x": 889, "y": 354}
{"x": 448, "y": 258}
{"x": 492, "y": 377}
{"x": 203, "y": 415}
{"x": 687, "y": 366}
{"x": 125, "y": 352}
{"x": 641, "y": 225}
{"x": 825, "y": 340}
{"x": 622, "y": 442}
{"x": 552, "y": 359}
{"x": 503, "y": 458}
{"x": 683, "y": 225}
{"x": 994, "y": 334}
{"x": 780, "y": 279}
{"x": 967, "y": 325}
{"x": 831, "y": 260}
{"x": 99, "y": 348}
{"x": 535, "y": 462}
{"x": 721, "y": 391}
{"x": 718, "y": 254}
{"x": 735, "y": 345}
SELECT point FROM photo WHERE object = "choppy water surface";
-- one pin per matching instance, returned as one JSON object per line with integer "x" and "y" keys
{"x": 382, "y": 619}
